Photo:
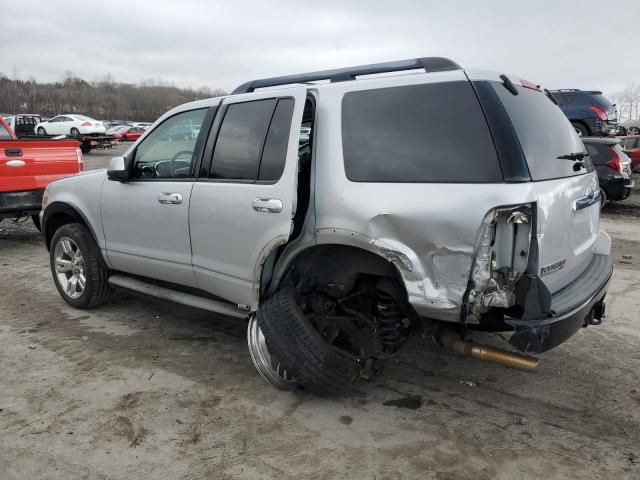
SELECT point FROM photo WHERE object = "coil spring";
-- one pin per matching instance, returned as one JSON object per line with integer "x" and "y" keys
{"x": 393, "y": 331}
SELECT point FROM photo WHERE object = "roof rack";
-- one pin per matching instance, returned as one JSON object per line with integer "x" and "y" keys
{"x": 429, "y": 64}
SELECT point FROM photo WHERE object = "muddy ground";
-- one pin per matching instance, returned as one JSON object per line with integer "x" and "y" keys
{"x": 142, "y": 389}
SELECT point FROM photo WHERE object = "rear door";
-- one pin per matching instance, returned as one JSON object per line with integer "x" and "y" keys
{"x": 243, "y": 204}
{"x": 567, "y": 196}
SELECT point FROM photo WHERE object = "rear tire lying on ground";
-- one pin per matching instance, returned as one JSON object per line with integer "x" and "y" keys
{"x": 78, "y": 269}
{"x": 301, "y": 348}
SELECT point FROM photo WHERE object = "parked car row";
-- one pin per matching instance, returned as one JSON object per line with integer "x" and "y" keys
{"x": 590, "y": 112}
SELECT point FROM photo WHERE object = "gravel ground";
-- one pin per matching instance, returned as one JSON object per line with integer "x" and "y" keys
{"x": 144, "y": 389}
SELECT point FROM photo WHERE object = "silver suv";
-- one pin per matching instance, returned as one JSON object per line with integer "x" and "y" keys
{"x": 341, "y": 210}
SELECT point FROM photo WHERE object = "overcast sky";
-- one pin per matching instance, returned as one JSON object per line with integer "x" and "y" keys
{"x": 192, "y": 43}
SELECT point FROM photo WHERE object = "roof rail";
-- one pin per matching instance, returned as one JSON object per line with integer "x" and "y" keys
{"x": 429, "y": 64}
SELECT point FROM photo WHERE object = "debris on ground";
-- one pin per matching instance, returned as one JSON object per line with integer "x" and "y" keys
{"x": 468, "y": 383}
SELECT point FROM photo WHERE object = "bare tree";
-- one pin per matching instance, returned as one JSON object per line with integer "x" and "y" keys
{"x": 628, "y": 102}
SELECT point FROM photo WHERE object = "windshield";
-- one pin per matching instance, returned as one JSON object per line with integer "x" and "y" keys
{"x": 544, "y": 133}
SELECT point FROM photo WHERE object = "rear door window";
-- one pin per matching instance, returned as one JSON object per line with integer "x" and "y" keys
{"x": 544, "y": 133}
{"x": 412, "y": 134}
{"x": 241, "y": 139}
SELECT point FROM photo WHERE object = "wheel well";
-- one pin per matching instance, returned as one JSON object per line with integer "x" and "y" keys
{"x": 337, "y": 266}
{"x": 61, "y": 216}
{"x": 583, "y": 124}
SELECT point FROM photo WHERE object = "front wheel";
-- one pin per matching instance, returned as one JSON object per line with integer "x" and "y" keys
{"x": 633, "y": 130}
{"x": 75, "y": 132}
{"x": 78, "y": 269}
{"x": 41, "y": 131}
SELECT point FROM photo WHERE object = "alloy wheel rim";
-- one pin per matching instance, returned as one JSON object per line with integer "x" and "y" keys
{"x": 69, "y": 267}
{"x": 276, "y": 375}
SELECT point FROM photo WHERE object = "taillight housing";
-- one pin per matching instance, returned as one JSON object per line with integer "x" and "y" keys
{"x": 616, "y": 164}
{"x": 80, "y": 161}
{"x": 86, "y": 124}
{"x": 599, "y": 112}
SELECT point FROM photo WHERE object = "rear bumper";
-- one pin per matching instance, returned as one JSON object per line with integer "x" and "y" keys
{"x": 573, "y": 307}
{"x": 619, "y": 190}
{"x": 20, "y": 204}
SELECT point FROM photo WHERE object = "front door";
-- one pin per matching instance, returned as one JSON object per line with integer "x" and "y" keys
{"x": 243, "y": 203}
{"x": 146, "y": 219}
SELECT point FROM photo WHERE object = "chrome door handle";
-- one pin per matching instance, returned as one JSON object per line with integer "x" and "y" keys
{"x": 170, "y": 198}
{"x": 268, "y": 205}
{"x": 586, "y": 200}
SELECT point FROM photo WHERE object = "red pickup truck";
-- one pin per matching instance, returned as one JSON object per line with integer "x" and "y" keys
{"x": 28, "y": 166}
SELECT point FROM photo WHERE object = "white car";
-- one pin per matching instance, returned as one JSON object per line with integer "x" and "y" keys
{"x": 632, "y": 126}
{"x": 70, "y": 125}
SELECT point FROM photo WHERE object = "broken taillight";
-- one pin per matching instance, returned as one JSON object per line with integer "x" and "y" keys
{"x": 599, "y": 112}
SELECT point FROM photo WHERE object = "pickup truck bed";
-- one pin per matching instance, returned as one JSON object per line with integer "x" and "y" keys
{"x": 27, "y": 166}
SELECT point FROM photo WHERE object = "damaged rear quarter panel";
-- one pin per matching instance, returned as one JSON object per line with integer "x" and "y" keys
{"x": 428, "y": 231}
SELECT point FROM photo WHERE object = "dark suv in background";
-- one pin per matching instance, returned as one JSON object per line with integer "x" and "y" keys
{"x": 590, "y": 112}
{"x": 613, "y": 167}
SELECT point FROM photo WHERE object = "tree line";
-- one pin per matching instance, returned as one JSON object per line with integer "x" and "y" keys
{"x": 104, "y": 99}
{"x": 628, "y": 102}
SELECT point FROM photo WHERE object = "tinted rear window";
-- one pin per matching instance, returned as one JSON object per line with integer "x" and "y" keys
{"x": 599, "y": 153}
{"x": 544, "y": 133}
{"x": 601, "y": 101}
{"x": 412, "y": 134}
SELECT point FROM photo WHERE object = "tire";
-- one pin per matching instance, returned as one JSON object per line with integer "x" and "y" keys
{"x": 302, "y": 350}
{"x": 633, "y": 131}
{"x": 36, "y": 222}
{"x": 75, "y": 132}
{"x": 603, "y": 198}
{"x": 41, "y": 131}
{"x": 85, "y": 148}
{"x": 96, "y": 288}
{"x": 581, "y": 129}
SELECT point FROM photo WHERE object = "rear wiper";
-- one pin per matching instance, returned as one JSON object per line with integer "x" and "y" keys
{"x": 572, "y": 156}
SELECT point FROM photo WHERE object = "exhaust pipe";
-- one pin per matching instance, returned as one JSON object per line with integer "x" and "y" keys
{"x": 452, "y": 342}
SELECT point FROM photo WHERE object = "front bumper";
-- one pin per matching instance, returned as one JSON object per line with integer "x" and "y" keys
{"x": 576, "y": 305}
{"x": 20, "y": 204}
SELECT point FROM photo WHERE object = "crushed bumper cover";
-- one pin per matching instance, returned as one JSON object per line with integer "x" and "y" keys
{"x": 574, "y": 306}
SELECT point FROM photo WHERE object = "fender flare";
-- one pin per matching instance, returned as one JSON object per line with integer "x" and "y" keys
{"x": 69, "y": 210}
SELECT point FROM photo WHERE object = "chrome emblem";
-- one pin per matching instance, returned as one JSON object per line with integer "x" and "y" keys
{"x": 554, "y": 267}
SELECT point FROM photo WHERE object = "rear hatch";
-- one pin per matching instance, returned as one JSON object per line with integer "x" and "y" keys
{"x": 566, "y": 228}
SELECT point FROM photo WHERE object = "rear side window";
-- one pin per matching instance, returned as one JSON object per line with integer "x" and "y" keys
{"x": 240, "y": 140}
{"x": 573, "y": 98}
{"x": 412, "y": 134}
{"x": 632, "y": 143}
{"x": 274, "y": 154}
{"x": 544, "y": 133}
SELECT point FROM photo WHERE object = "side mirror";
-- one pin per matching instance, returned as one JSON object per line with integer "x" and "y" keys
{"x": 118, "y": 169}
